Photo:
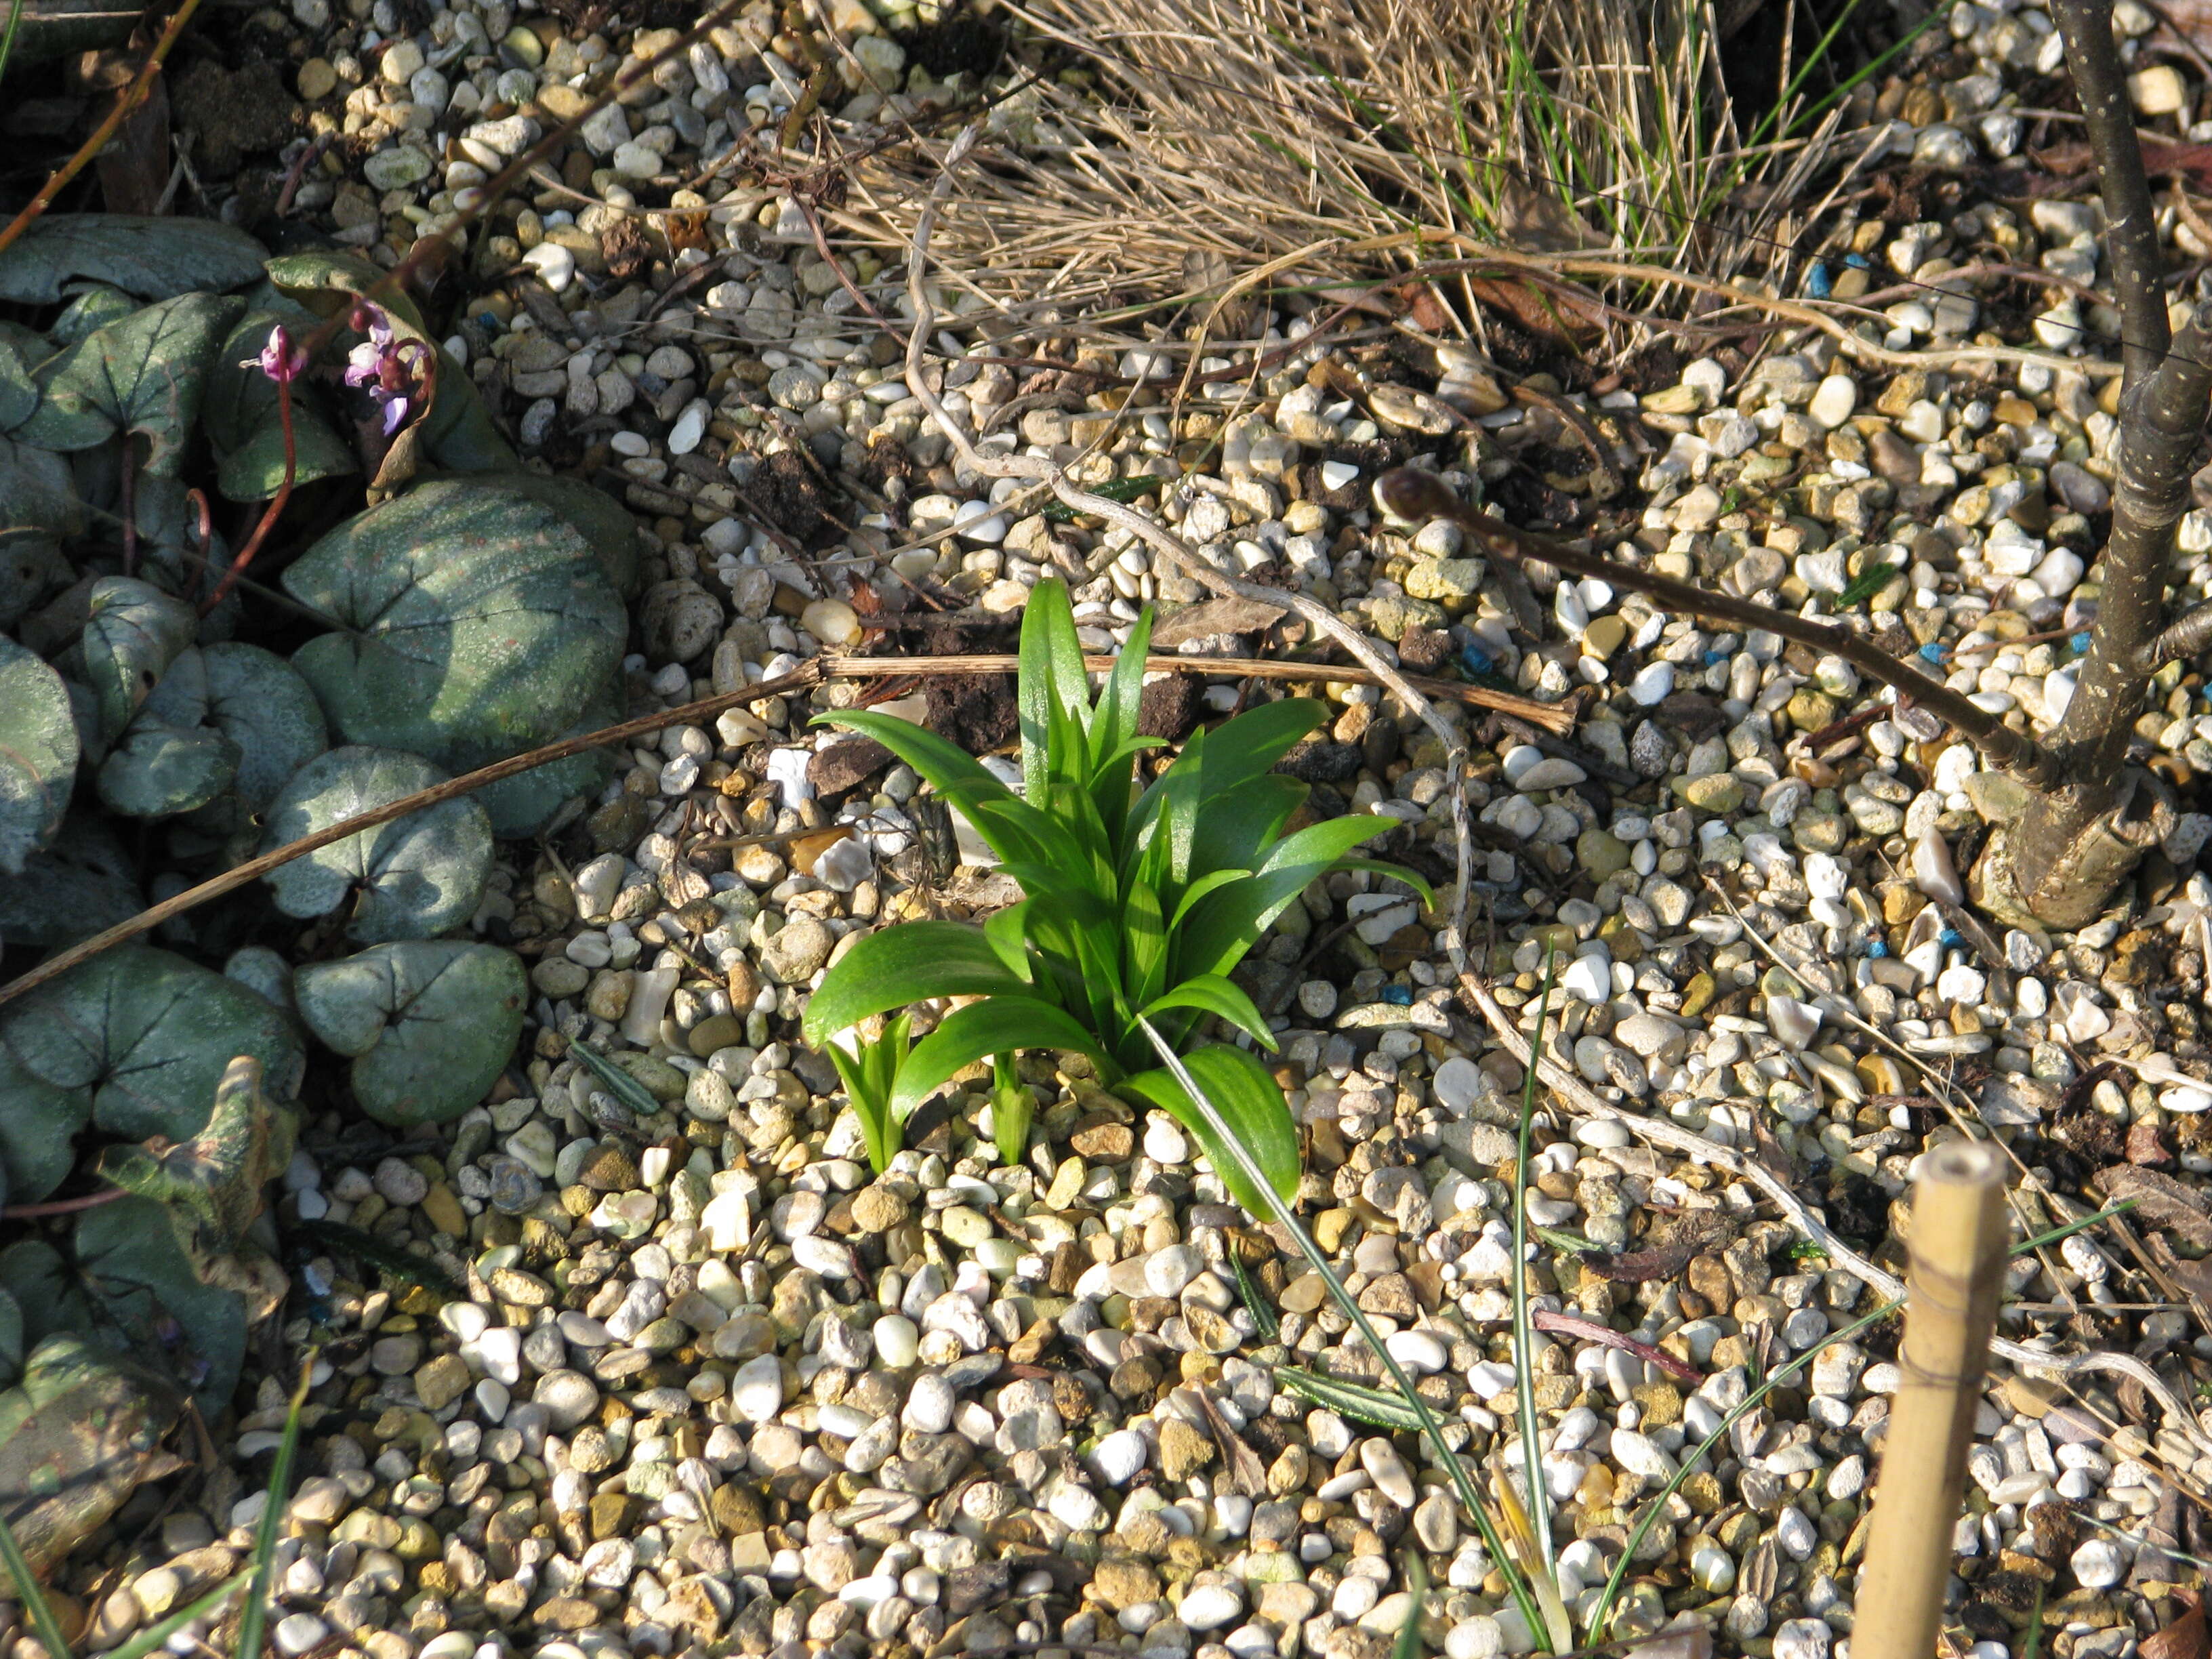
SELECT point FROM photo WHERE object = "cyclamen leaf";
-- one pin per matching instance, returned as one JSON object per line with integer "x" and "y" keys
{"x": 430, "y": 1024}
{"x": 415, "y": 877}
{"x": 1001, "y": 1025}
{"x": 481, "y": 624}
{"x": 151, "y": 257}
{"x": 139, "y": 1039}
{"x": 246, "y": 426}
{"x": 133, "y": 633}
{"x": 1249, "y": 1101}
{"x": 158, "y": 769}
{"x": 144, "y": 373}
{"x": 127, "y": 1251}
{"x": 907, "y": 963}
{"x": 256, "y": 700}
{"x": 210, "y": 1186}
{"x": 39, "y": 753}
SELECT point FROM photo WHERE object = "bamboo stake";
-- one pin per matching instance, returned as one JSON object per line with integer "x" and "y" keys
{"x": 1958, "y": 1258}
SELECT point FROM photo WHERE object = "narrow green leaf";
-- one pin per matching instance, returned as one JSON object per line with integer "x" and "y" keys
{"x": 1262, "y": 1311}
{"x": 1144, "y": 943}
{"x": 617, "y": 1082}
{"x": 157, "y": 1636}
{"x": 1877, "y": 575}
{"x": 1012, "y": 1107}
{"x": 253, "y": 1617}
{"x": 1052, "y": 677}
{"x": 910, "y": 962}
{"x": 1211, "y": 994}
{"x": 1114, "y": 490}
{"x": 1114, "y": 728}
{"x": 1538, "y": 1495}
{"x": 1409, "y": 1645}
{"x": 1249, "y": 1103}
{"x": 1218, "y": 932}
{"x": 954, "y": 773}
{"x": 1002, "y": 1025}
{"x": 1234, "y": 832}
{"x": 1005, "y": 932}
{"x": 1369, "y": 1406}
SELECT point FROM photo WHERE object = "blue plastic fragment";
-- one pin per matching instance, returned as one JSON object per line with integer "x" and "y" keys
{"x": 1713, "y": 657}
{"x": 1858, "y": 262}
{"x": 1950, "y": 939}
{"x": 2079, "y": 643}
{"x": 1398, "y": 996}
{"x": 1877, "y": 947}
{"x": 1475, "y": 659}
{"x": 1817, "y": 283}
{"x": 1932, "y": 652}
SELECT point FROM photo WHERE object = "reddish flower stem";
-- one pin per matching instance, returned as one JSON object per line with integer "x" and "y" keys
{"x": 275, "y": 509}
{"x": 61, "y": 1206}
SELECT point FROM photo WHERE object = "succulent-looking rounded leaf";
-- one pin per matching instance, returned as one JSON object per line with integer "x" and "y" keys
{"x": 80, "y": 1433}
{"x": 144, "y": 373}
{"x": 151, "y": 257}
{"x": 210, "y": 1186}
{"x": 483, "y": 624}
{"x": 1251, "y": 1104}
{"x": 430, "y": 1024}
{"x": 39, "y": 753}
{"x": 158, "y": 769}
{"x": 410, "y": 878}
{"x": 96, "y": 306}
{"x": 524, "y": 803}
{"x": 139, "y": 1039}
{"x": 246, "y": 426}
{"x": 135, "y": 632}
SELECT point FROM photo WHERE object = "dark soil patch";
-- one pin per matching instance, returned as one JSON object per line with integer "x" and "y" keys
{"x": 787, "y": 492}
{"x": 959, "y": 42}
{"x": 1168, "y": 708}
{"x": 976, "y": 711}
{"x": 233, "y": 113}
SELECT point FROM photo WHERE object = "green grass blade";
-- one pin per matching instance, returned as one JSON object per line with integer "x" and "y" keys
{"x": 1353, "y": 1399}
{"x": 254, "y": 1617}
{"x": 618, "y": 1083}
{"x": 32, "y": 1595}
{"x": 1601, "y": 1616}
{"x": 1263, "y": 1313}
{"x": 8, "y": 42}
{"x": 2027, "y": 1245}
{"x": 1869, "y": 582}
{"x": 1524, "y": 1331}
{"x": 1409, "y": 1645}
{"x": 1432, "y": 1430}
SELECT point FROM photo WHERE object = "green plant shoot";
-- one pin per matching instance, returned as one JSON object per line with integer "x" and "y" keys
{"x": 868, "y": 1072}
{"x": 1137, "y": 905}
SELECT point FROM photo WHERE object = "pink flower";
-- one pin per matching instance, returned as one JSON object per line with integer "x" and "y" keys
{"x": 391, "y": 370}
{"x": 280, "y": 359}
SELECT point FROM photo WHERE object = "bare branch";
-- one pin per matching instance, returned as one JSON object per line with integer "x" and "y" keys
{"x": 1409, "y": 493}
{"x": 2131, "y": 221}
{"x": 2191, "y": 634}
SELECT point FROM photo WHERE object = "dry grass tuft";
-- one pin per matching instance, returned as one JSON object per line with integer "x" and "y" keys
{"x": 1235, "y": 132}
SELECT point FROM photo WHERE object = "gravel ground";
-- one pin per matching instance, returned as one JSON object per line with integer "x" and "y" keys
{"x": 711, "y": 1388}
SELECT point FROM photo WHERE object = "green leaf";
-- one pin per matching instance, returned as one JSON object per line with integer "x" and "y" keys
{"x": 601, "y": 519}
{"x": 1012, "y": 1106}
{"x": 459, "y": 435}
{"x": 1227, "y": 923}
{"x": 19, "y": 392}
{"x": 413, "y": 878}
{"x": 38, "y": 510}
{"x": 1114, "y": 490}
{"x": 246, "y": 426}
{"x": 127, "y": 1251}
{"x": 1369, "y": 1406}
{"x": 154, "y": 258}
{"x": 1144, "y": 943}
{"x": 1249, "y": 1103}
{"x": 83, "y": 884}
{"x": 1876, "y": 575}
{"x": 133, "y": 633}
{"x": 39, "y": 753}
{"x": 1001, "y": 1025}
{"x": 1010, "y": 826}
{"x": 484, "y": 624}
{"x": 1211, "y": 994}
{"x": 1263, "y": 1313}
{"x": 144, "y": 374}
{"x": 327, "y": 281}
{"x": 617, "y": 1082}
{"x": 868, "y": 1072}
{"x": 260, "y": 703}
{"x": 1114, "y": 728}
{"x": 1004, "y": 930}
{"x": 522, "y": 806}
{"x": 135, "y": 1038}
{"x": 1235, "y": 831}
{"x": 1052, "y": 678}
{"x": 95, "y": 307}
{"x": 906, "y": 962}
{"x": 158, "y": 769}
{"x": 430, "y": 1024}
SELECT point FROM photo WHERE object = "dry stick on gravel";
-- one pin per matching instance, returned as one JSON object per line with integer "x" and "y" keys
{"x": 1663, "y": 1131}
{"x": 1958, "y": 1263}
{"x": 1552, "y": 717}
{"x": 1177, "y": 552}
